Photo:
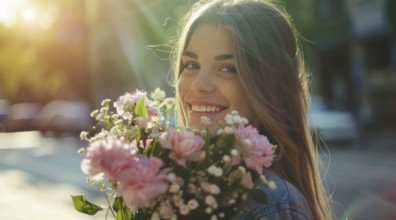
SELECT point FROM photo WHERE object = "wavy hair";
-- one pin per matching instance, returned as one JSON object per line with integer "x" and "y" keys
{"x": 272, "y": 71}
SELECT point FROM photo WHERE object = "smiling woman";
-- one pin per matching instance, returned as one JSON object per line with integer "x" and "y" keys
{"x": 208, "y": 83}
{"x": 243, "y": 55}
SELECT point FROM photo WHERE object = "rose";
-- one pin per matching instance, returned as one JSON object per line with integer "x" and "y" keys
{"x": 184, "y": 145}
{"x": 255, "y": 149}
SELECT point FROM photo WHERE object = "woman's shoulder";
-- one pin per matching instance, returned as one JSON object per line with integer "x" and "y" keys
{"x": 285, "y": 202}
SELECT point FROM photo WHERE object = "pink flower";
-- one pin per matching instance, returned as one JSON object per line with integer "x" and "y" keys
{"x": 108, "y": 157}
{"x": 142, "y": 182}
{"x": 255, "y": 149}
{"x": 184, "y": 145}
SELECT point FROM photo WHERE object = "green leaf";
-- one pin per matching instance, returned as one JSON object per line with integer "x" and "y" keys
{"x": 258, "y": 195}
{"x": 123, "y": 212}
{"x": 141, "y": 108}
{"x": 82, "y": 205}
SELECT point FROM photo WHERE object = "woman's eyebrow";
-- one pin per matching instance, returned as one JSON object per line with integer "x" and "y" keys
{"x": 190, "y": 54}
{"x": 224, "y": 57}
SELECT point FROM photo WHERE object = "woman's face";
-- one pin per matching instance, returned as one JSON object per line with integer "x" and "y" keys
{"x": 209, "y": 84}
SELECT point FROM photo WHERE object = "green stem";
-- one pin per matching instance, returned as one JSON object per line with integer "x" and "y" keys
{"x": 109, "y": 203}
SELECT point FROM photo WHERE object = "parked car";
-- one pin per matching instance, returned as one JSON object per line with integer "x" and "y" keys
{"x": 3, "y": 113}
{"x": 60, "y": 116}
{"x": 331, "y": 125}
{"x": 21, "y": 116}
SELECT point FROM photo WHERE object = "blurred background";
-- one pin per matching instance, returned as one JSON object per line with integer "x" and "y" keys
{"x": 59, "y": 59}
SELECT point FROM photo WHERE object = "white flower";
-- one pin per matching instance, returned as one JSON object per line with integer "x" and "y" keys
{"x": 203, "y": 133}
{"x": 155, "y": 216}
{"x": 242, "y": 169}
{"x": 215, "y": 171}
{"x": 178, "y": 200}
{"x": 205, "y": 121}
{"x": 226, "y": 158}
{"x": 171, "y": 177}
{"x": 174, "y": 188}
{"x": 211, "y": 201}
{"x": 229, "y": 130}
{"x": 84, "y": 135}
{"x": 272, "y": 185}
{"x": 94, "y": 113}
{"x": 192, "y": 204}
{"x": 234, "y": 152}
{"x": 184, "y": 209}
{"x": 105, "y": 102}
{"x": 81, "y": 151}
{"x": 158, "y": 94}
{"x": 214, "y": 189}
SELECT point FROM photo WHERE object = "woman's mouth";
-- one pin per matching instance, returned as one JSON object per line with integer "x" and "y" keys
{"x": 206, "y": 108}
{"x": 202, "y": 108}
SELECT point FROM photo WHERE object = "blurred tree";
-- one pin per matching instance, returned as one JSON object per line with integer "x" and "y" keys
{"x": 42, "y": 51}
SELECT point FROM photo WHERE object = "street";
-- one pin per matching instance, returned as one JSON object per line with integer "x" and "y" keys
{"x": 39, "y": 173}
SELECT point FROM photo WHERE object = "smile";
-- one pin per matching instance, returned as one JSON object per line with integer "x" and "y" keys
{"x": 202, "y": 108}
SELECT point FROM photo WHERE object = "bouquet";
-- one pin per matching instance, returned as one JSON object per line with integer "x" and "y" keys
{"x": 148, "y": 168}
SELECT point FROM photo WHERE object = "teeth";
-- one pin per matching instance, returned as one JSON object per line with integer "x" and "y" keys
{"x": 198, "y": 108}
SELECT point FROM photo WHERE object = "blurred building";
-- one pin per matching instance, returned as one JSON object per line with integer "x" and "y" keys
{"x": 354, "y": 61}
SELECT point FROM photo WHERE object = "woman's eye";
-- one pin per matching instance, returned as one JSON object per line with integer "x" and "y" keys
{"x": 228, "y": 69}
{"x": 190, "y": 66}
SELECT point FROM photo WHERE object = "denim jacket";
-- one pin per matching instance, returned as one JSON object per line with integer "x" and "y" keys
{"x": 286, "y": 202}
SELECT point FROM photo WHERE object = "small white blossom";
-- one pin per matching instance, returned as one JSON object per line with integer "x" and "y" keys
{"x": 242, "y": 169}
{"x": 247, "y": 142}
{"x": 234, "y": 152}
{"x": 213, "y": 217}
{"x": 226, "y": 158}
{"x": 211, "y": 200}
{"x": 115, "y": 117}
{"x": 215, "y": 171}
{"x": 94, "y": 113}
{"x": 155, "y": 216}
{"x": 205, "y": 121}
{"x": 174, "y": 188}
{"x": 245, "y": 121}
{"x": 184, "y": 209}
{"x": 158, "y": 94}
{"x": 81, "y": 151}
{"x": 221, "y": 215}
{"x": 214, "y": 189}
{"x": 208, "y": 210}
{"x": 220, "y": 132}
{"x": 192, "y": 204}
{"x": 229, "y": 130}
{"x": 178, "y": 200}
{"x": 105, "y": 102}
{"x": 171, "y": 177}
{"x": 234, "y": 112}
{"x": 272, "y": 185}
{"x": 84, "y": 135}
{"x": 229, "y": 119}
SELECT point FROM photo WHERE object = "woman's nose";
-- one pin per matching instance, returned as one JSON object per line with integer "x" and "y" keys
{"x": 203, "y": 82}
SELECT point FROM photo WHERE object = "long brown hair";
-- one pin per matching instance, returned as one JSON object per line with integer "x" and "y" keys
{"x": 271, "y": 69}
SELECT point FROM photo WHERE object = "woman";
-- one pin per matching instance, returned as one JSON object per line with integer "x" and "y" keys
{"x": 243, "y": 55}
